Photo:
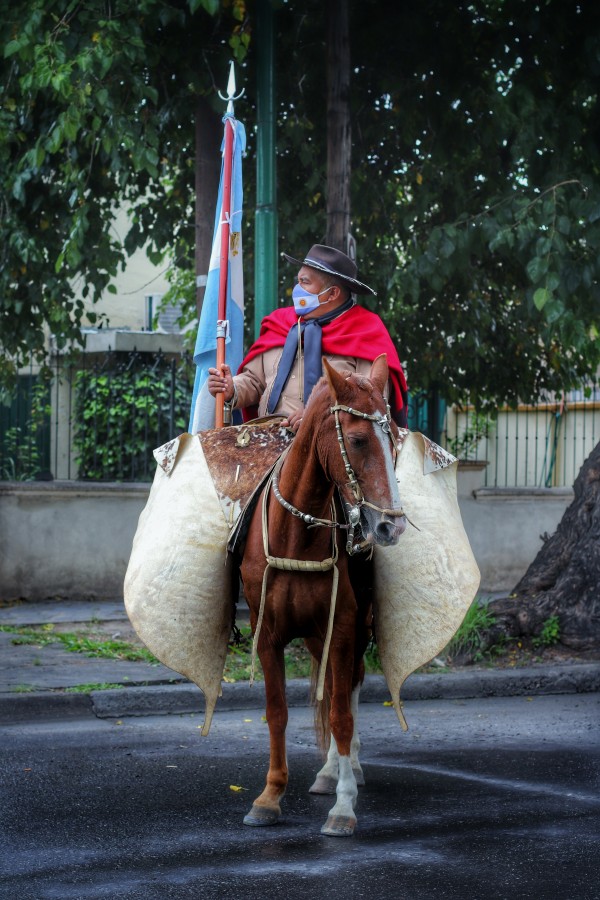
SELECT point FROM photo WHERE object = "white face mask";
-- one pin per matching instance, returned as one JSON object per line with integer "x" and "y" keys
{"x": 304, "y": 301}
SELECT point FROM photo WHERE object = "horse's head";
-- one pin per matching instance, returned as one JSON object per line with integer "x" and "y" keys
{"x": 361, "y": 458}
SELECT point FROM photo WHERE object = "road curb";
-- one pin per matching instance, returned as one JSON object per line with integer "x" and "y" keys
{"x": 186, "y": 698}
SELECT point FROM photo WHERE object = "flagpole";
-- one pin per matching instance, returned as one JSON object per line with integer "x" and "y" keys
{"x": 225, "y": 224}
{"x": 224, "y": 265}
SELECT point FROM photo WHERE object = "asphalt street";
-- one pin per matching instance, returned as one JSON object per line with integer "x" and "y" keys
{"x": 493, "y": 793}
{"x": 491, "y": 798}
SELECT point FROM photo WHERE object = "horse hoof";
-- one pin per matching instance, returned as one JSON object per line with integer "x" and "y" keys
{"x": 324, "y": 784}
{"x": 261, "y": 815}
{"x": 339, "y": 826}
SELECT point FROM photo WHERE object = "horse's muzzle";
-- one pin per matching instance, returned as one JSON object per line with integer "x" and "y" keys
{"x": 386, "y": 532}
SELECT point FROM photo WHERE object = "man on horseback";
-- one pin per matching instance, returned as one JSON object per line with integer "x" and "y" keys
{"x": 285, "y": 362}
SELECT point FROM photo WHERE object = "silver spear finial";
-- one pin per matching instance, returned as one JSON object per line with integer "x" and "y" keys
{"x": 231, "y": 95}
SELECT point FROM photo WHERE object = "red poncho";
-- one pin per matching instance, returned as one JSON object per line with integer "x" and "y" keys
{"x": 358, "y": 332}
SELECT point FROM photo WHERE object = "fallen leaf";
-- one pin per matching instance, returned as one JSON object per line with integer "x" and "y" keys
{"x": 388, "y": 703}
{"x": 247, "y": 720}
{"x": 236, "y": 788}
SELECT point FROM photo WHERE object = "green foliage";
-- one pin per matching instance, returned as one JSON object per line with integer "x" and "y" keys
{"x": 182, "y": 291}
{"x": 96, "y": 114}
{"x": 465, "y": 444}
{"x": 550, "y": 633}
{"x": 470, "y": 639}
{"x": 94, "y": 686}
{"x": 372, "y": 660}
{"x": 122, "y": 414}
{"x": 79, "y": 643}
{"x": 475, "y": 186}
{"x": 21, "y": 458}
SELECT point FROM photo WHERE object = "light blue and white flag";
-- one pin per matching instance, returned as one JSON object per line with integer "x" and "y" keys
{"x": 202, "y": 413}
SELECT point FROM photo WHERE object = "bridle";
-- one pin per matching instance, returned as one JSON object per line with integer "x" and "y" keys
{"x": 353, "y": 511}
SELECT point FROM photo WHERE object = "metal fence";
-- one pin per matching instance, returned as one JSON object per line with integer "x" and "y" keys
{"x": 534, "y": 445}
{"x": 100, "y": 416}
{"x": 94, "y": 418}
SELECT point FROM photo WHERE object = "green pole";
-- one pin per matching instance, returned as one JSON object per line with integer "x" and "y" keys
{"x": 265, "y": 251}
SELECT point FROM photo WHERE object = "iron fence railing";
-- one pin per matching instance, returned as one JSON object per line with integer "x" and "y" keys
{"x": 100, "y": 416}
{"x": 97, "y": 417}
{"x": 535, "y": 445}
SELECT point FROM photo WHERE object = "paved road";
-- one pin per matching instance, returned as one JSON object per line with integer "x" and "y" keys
{"x": 495, "y": 798}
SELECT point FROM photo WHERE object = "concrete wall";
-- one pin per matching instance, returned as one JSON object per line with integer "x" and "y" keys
{"x": 73, "y": 539}
{"x": 505, "y": 525}
{"x": 66, "y": 539}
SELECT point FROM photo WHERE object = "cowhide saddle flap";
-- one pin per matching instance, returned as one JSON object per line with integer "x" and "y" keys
{"x": 240, "y": 459}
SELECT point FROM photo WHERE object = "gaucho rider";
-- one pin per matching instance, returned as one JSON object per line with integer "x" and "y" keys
{"x": 285, "y": 362}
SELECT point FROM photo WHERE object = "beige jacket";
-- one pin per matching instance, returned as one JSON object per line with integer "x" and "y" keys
{"x": 254, "y": 383}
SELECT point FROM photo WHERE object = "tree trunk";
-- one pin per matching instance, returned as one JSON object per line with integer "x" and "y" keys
{"x": 338, "y": 126}
{"x": 208, "y": 160}
{"x": 564, "y": 578}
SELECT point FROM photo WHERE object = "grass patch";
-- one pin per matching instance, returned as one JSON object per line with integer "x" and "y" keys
{"x": 296, "y": 657}
{"x": 88, "y": 688}
{"x": 75, "y": 642}
{"x": 238, "y": 663}
{"x": 550, "y": 633}
{"x": 471, "y": 638}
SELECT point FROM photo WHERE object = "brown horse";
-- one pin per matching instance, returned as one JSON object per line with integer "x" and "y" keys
{"x": 301, "y": 578}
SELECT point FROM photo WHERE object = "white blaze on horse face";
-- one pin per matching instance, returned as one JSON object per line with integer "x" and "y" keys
{"x": 385, "y": 529}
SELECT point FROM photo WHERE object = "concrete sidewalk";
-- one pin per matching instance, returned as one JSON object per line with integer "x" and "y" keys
{"x": 36, "y": 682}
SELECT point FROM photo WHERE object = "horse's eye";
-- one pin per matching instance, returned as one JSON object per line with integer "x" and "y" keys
{"x": 358, "y": 442}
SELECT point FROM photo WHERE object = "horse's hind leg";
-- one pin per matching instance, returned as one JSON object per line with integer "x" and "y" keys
{"x": 355, "y": 744}
{"x": 327, "y": 778}
{"x": 341, "y": 820}
{"x": 266, "y": 809}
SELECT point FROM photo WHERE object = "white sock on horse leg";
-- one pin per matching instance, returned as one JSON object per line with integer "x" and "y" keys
{"x": 347, "y": 791}
{"x": 331, "y": 767}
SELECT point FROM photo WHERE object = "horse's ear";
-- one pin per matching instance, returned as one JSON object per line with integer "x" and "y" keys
{"x": 337, "y": 382}
{"x": 379, "y": 372}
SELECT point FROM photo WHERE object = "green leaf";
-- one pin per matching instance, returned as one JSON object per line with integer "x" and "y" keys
{"x": 541, "y": 297}
{"x": 11, "y": 48}
{"x": 537, "y": 268}
{"x": 211, "y": 6}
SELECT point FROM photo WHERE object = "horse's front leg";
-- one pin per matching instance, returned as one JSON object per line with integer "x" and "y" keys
{"x": 341, "y": 820}
{"x": 266, "y": 809}
{"x": 327, "y": 777}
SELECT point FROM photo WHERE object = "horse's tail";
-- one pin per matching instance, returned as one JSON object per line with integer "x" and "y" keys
{"x": 321, "y": 709}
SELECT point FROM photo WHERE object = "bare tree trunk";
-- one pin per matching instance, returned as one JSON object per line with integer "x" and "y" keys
{"x": 564, "y": 578}
{"x": 339, "y": 143}
{"x": 208, "y": 161}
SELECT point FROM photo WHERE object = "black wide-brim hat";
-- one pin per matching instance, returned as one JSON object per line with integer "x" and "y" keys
{"x": 333, "y": 262}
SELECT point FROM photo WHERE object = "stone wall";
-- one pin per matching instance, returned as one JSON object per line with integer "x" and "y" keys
{"x": 73, "y": 539}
